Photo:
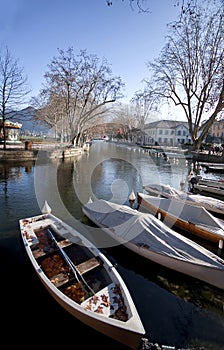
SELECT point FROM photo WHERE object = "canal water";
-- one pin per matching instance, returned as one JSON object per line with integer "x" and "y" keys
{"x": 177, "y": 311}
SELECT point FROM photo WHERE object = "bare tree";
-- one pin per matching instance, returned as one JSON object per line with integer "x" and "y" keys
{"x": 84, "y": 86}
{"x": 142, "y": 5}
{"x": 189, "y": 71}
{"x": 50, "y": 110}
{"x": 143, "y": 105}
{"x": 13, "y": 88}
{"x": 125, "y": 116}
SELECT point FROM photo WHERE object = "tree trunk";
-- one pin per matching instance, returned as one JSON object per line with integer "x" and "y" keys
{"x": 4, "y": 134}
{"x": 197, "y": 144}
{"x": 77, "y": 139}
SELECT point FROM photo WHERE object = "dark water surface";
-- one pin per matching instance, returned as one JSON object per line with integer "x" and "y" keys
{"x": 176, "y": 310}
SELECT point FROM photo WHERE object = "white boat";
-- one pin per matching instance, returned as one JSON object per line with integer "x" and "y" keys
{"x": 80, "y": 278}
{"x": 149, "y": 237}
{"x": 215, "y": 206}
{"x": 209, "y": 186}
{"x": 211, "y": 182}
{"x": 186, "y": 217}
{"x": 213, "y": 167}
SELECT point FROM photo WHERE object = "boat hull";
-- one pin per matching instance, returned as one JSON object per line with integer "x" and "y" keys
{"x": 129, "y": 331}
{"x": 204, "y": 273}
{"x": 213, "y": 205}
{"x": 124, "y": 336}
{"x": 210, "y": 189}
{"x": 209, "y": 275}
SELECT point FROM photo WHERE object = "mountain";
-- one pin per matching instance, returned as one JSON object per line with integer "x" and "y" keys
{"x": 26, "y": 117}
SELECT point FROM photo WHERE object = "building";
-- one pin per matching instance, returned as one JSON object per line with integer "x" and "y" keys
{"x": 12, "y": 131}
{"x": 216, "y": 132}
{"x": 166, "y": 133}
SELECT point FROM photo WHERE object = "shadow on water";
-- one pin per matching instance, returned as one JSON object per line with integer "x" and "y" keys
{"x": 183, "y": 286}
{"x": 176, "y": 307}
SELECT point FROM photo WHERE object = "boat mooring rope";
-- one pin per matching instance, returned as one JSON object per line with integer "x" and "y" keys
{"x": 147, "y": 345}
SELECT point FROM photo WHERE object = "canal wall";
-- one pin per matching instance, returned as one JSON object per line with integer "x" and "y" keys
{"x": 17, "y": 155}
{"x": 43, "y": 154}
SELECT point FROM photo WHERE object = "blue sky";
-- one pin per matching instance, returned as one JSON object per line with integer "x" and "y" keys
{"x": 34, "y": 29}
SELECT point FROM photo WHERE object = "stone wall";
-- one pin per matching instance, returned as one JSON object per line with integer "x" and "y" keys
{"x": 23, "y": 154}
{"x": 17, "y": 155}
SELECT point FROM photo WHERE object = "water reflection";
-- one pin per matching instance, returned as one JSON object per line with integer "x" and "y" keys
{"x": 114, "y": 179}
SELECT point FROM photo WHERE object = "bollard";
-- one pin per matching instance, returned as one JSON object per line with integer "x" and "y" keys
{"x": 220, "y": 244}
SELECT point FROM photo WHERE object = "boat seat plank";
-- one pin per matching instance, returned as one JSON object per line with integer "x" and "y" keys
{"x": 60, "y": 279}
{"x": 88, "y": 265}
{"x": 64, "y": 243}
{"x": 37, "y": 253}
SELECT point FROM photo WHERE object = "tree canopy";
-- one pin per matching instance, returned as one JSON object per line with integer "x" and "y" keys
{"x": 189, "y": 71}
{"x": 78, "y": 88}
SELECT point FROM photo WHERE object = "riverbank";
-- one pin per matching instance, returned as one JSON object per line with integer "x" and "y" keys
{"x": 196, "y": 156}
{"x": 23, "y": 152}
{"x": 42, "y": 151}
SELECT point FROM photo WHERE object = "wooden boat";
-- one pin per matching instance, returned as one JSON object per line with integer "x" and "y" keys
{"x": 186, "y": 217}
{"x": 210, "y": 186}
{"x": 149, "y": 237}
{"x": 213, "y": 205}
{"x": 213, "y": 167}
{"x": 80, "y": 278}
{"x": 210, "y": 182}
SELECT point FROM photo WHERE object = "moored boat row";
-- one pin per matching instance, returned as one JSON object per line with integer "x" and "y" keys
{"x": 151, "y": 238}
{"x": 105, "y": 304}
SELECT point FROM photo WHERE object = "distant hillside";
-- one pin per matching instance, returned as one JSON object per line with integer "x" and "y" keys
{"x": 27, "y": 118}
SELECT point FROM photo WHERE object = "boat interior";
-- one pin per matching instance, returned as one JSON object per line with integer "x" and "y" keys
{"x": 66, "y": 271}
{"x": 75, "y": 270}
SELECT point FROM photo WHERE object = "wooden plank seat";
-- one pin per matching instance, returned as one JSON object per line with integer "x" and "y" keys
{"x": 64, "y": 243}
{"x": 60, "y": 279}
{"x": 88, "y": 265}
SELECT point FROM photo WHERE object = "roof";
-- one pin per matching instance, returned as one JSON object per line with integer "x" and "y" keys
{"x": 10, "y": 125}
{"x": 166, "y": 123}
